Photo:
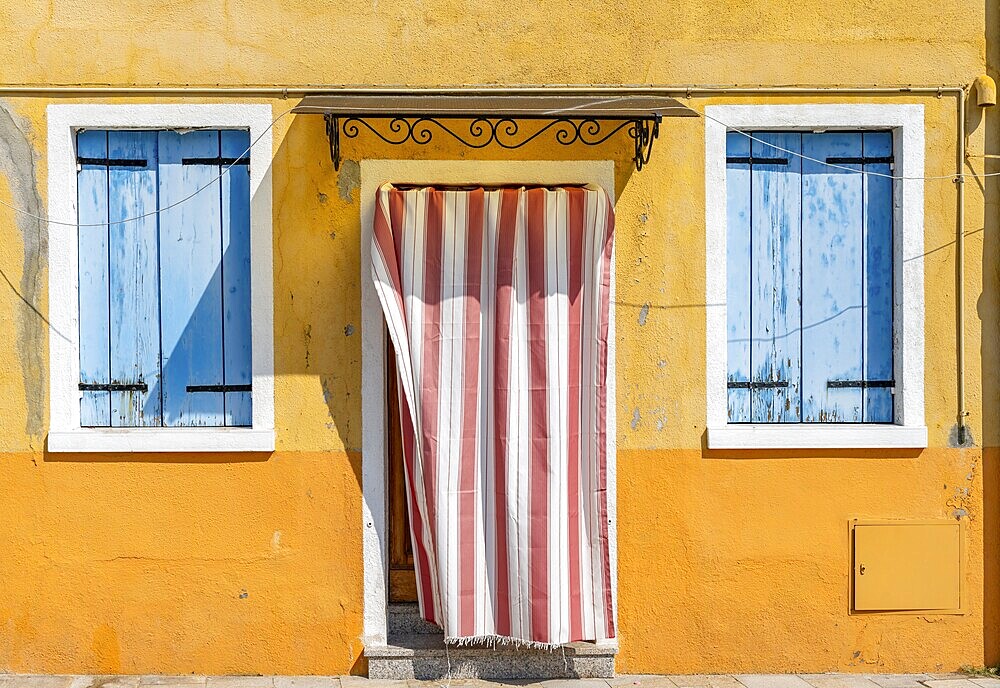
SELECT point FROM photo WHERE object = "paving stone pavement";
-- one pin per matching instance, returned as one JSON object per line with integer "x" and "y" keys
{"x": 692, "y": 681}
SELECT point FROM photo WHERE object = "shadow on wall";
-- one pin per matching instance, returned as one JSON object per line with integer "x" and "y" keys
{"x": 318, "y": 271}
{"x": 317, "y": 284}
{"x": 180, "y": 365}
{"x": 183, "y": 363}
{"x": 989, "y": 317}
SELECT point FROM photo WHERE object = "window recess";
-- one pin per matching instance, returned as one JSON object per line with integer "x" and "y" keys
{"x": 164, "y": 278}
{"x": 809, "y": 277}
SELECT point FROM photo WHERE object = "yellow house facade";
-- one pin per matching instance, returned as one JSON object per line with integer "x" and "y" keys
{"x": 736, "y": 549}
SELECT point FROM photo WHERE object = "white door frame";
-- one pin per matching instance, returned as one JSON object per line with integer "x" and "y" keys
{"x": 374, "y": 463}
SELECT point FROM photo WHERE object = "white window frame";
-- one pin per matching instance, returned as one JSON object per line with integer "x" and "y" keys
{"x": 907, "y": 125}
{"x": 65, "y": 433}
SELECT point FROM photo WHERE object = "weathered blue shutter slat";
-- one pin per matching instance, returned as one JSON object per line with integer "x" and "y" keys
{"x": 832, "y": 199}
{"x": 775, "y": 351}
{"x": 95, "y": 354}
{"x": 191, "y": 279}
{"x": 738, "y": 276}
{"x": 236, "y": 277}
{"x": 134, "y": 284}
{"x": 878, "y": 279}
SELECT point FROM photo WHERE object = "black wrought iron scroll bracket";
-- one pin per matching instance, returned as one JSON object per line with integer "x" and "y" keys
{"x": 505, "y": 132}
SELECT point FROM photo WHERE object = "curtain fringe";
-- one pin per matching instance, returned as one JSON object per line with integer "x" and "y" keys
{"x": 494, "y": 640}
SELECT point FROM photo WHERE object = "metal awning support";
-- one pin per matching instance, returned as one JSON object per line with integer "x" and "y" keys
{"x": 506, "y": 120}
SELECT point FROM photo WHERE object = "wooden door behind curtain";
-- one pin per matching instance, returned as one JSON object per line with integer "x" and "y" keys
{"x": 402, "y": 578}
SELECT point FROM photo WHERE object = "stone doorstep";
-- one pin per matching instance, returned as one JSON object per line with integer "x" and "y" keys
{"x": 428, "y": 645}
{"x": 425, "y": 657}
{"x": 404, "y": 619}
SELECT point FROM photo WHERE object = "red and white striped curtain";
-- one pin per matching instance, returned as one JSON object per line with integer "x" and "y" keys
{"x": 497, "y": 304}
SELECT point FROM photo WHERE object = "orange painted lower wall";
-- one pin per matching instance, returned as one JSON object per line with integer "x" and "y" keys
{"x": 730, "y": 564}
{"x": 227, "y": 565}
{"x": 179, "y": 565}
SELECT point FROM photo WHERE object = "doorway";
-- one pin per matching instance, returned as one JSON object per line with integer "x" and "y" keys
{"x": 376, "y": 515}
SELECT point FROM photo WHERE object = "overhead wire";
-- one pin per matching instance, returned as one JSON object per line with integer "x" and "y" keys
{"x": 899, "y": 177}
{"x": 747, "y": 134}
{"x": 176, "y": 203}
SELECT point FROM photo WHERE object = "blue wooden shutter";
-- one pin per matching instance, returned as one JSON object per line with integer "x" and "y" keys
{"x": 119, "y": 290}
{"x": 847, "y": 289}
{"x": 878, "y": 279}
{"x": 206, "y": 272}
{"x": 775, "y": 242}
{"x": 133, "y": 286}
{"x": 832, "y": 231}
{"x": 763, "y": 286}
{"x": 738, "y": 275}
{"x": 95, "y": 311}
{"x": 191, "y": 279}
{"x": 810, "y": 278}
{"x": 236, "y": 278}
{"x": 173, "y": 286}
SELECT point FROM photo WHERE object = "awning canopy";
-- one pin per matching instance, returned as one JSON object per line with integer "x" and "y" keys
{"x": 494, "y": 118}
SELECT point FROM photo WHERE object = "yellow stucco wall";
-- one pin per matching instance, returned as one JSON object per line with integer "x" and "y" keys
{"x": 728, "y": 562}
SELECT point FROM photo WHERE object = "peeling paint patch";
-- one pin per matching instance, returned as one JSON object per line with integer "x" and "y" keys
{"x": 323, "y": 198}
{"x": 349, "y": 330}
{"x": 643, "y": 314}
{"x": 953, "y": 438}
{"x": 17, "y": 163}
{"x": 326, "y": 384}
{"x": 244, "y": 594}
{"x": 307, "y": 340}
{"x": 858, "y": 659}
{"x": 961, "y": 503}
{"x": 348, "y": 180}
{"x": 635, "y": 419}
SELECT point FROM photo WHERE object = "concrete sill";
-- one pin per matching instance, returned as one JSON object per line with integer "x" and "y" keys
{"x": 816, "y": 436}
{"x": 162, "y": 440}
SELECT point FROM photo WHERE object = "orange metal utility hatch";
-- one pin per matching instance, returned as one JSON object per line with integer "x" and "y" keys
{"x": 907, "y": 566}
